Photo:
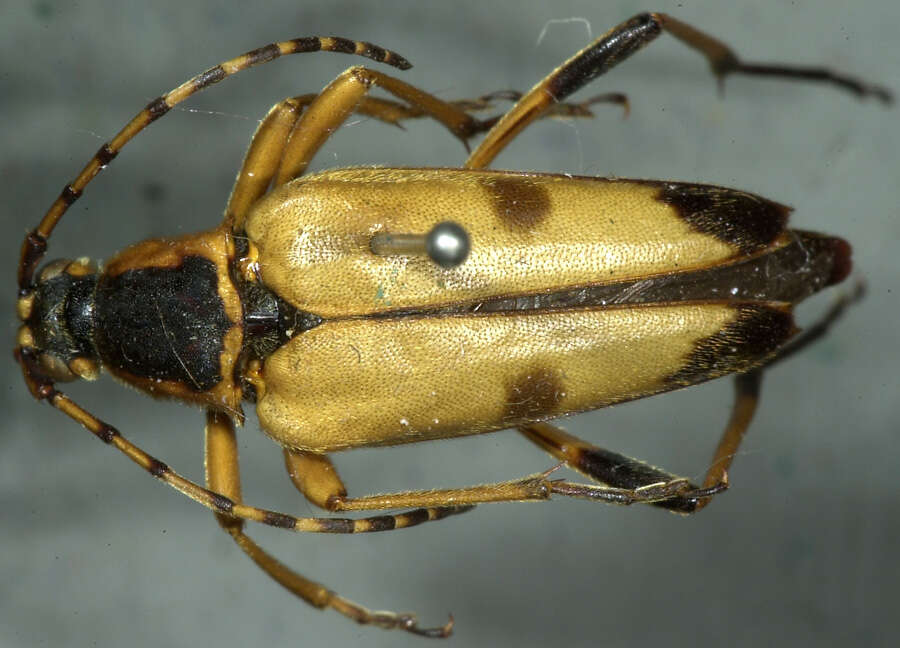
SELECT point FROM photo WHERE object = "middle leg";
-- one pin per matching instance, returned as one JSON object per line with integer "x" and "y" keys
{"x": 317, "y": 479}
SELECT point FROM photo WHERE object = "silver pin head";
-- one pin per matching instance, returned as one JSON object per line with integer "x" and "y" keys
{"x": 447, "y": 244}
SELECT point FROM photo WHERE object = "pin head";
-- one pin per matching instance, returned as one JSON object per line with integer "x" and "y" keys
{"x": 447, "y": 244}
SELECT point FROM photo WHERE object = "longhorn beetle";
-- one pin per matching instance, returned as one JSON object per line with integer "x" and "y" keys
{"x": 374, "y": 306}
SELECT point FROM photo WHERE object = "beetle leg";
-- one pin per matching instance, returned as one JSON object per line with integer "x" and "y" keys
{"x": 341, "y": 97}
{"x": 747, "y": 388}
{"x": 314, "y": 476}
{"x": 648, "y": 485}
{"x": 396, "y": 112}
{"x": 223, "y": 476}
{"x": 617, "y": 45}
{"x": 635, "y": 481}
{"x": 262, "y": 160}
{"x": 348, "y": 94}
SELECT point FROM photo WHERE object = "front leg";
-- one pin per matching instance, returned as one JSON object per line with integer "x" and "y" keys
{"x": 223, "y": 476}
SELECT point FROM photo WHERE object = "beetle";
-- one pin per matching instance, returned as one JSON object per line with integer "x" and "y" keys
{"x": 363, "y": 307}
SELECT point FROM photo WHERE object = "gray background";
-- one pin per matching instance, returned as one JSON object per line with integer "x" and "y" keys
{"x": 802, "y": 550}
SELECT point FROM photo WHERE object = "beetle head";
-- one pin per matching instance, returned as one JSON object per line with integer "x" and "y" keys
{"x": 55, "y": 341}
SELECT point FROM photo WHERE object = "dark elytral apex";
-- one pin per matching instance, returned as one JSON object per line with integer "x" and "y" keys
{"x": 756, "y": 333}
{"x": 746, "y": 221}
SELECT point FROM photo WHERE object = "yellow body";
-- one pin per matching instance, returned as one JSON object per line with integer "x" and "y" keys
{"x": 359, "y": 380}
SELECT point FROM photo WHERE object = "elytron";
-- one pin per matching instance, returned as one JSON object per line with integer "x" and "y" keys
{"x": 379, "y": 306}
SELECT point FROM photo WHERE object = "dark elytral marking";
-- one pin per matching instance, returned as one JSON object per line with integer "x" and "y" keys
{"x": 269, "y": 321}
{"x": 105, "y": 155}
{"x": 211, "y": 76}
{"x": 755, "y": 334}
{"x": 519, "y": 203}
{"x": 749, "y": 222}
{"x": 279, "y": 520}
{"x": 157, "y": 468}
{"x": 790, "y": 273}
{"x": 157, "y": 108}
{"x": 617, "y": 45}
{"x": 533, "y": 396}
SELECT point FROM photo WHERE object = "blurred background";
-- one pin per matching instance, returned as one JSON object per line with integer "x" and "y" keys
{"x": 801, "y": 550}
